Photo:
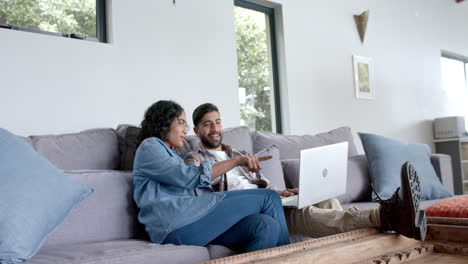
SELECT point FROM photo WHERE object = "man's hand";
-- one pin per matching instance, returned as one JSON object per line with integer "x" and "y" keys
{"x": 252, "y": 162}
{"x": 289, "y": 192}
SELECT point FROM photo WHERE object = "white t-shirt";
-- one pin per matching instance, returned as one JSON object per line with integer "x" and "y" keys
{"x": 235, "y": 178}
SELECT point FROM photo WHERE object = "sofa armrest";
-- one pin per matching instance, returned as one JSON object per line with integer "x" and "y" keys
{"x": 442, "y": 164}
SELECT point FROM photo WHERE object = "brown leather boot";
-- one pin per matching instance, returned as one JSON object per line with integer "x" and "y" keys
{"x": 401, "y": 212}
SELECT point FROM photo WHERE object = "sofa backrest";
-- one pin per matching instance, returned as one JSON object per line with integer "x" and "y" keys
{"x": 109, "y": 213}
{"x": 238, "y": 137}
{"x": 291, "y": 145}
{"x": 95, "y": 149}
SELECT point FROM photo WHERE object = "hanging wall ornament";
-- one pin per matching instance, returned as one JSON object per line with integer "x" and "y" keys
{"x": 361, "y": 23}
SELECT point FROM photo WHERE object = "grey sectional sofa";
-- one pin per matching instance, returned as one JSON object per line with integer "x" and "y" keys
{"x": 104, "y": 227}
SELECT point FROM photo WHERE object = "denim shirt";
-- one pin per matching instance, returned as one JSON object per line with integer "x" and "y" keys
{"x": 165, "y": 189}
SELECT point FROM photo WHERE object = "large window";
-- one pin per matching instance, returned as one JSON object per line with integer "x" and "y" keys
{"x": 257, "y": 66}
{"x": 454, "y": 81}
{"x": 82, "y": 19}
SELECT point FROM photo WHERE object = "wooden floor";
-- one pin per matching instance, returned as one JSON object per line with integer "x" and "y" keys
{"x": 447, "y": 242}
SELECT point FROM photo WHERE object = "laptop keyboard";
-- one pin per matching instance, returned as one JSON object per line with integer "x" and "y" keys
{"x": 290, "y": 201}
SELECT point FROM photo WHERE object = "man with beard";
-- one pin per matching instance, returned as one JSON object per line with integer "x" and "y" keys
{"x": 323, "y": 219}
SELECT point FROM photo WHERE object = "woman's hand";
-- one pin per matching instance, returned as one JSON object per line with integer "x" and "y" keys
{"x": 252, "y": 162}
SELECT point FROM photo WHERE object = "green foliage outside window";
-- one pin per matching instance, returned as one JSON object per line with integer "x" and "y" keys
{"x": 253, "y": 72}
{"x": 63, "y": 16}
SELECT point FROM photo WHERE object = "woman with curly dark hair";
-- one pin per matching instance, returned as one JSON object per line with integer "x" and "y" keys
{"x": 177, "y": 204}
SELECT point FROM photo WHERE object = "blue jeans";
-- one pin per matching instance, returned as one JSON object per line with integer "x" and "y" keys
{"x": 245, "y": 220}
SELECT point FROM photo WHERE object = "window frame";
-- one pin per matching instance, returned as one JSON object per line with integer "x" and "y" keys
{"x": 461, "y": 59}
{"x": 101, "y": 27}
{"x": 270, "y": 13}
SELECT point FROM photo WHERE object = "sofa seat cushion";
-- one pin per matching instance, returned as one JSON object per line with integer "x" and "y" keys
{"x": 367, "y": 205}
{"x": 108, "y": 214}
{"x": 456, "y": 207}
{"x": 291, "y": 145}
{"x": 94, "y": 149}
{"x": 218, "y": 251}
{"x": 120, "y": 252}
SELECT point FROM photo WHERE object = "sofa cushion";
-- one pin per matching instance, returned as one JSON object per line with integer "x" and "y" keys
{"x": 120, "y": 252}
{"x": 109, "y": 214}
{"x": 128, "y": 144}
{"x": 386, "y": 157}
{"x": 291, "y": 145}
{"x": 271, "y": 168}
{"x": 35, "y": 198}
{"x": 367, "y": 205}
{"x": 456, "y": 207}
{"x": 27, "y": 140}
{"x": 218, "y": 251}
{"x": 237, "y": 137}
{"x": 291, "y": 172}
{"x": 358, "y": 182}
{"x": 95, "y": 149}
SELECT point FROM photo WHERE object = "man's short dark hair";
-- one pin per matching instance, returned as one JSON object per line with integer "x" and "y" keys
{"x": 202, "y": 110}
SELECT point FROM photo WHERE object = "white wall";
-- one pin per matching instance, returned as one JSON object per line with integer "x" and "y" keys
{"x": 157, "y": 51}
{"x": 404, "y": 39}
{"x": 187, "y": 53}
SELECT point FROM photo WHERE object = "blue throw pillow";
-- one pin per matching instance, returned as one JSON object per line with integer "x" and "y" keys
{"x": 35, "y": 198}
{"x": 386, "y": 157}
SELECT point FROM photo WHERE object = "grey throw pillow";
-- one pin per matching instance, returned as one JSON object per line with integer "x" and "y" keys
{"x": 271, "y": 168}
{"x": 129, "y": 138}
{"x": 291, "y": 172}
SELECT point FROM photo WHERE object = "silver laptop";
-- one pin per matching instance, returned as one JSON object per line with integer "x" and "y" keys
{"x": 322, "y": 175}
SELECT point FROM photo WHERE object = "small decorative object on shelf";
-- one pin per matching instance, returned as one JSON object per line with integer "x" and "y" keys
{"x": 449, "y": 127}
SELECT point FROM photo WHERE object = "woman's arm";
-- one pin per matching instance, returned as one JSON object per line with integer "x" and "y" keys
{"x": 154, "y": 162}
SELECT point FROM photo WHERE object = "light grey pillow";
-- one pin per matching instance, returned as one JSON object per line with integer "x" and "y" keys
{"x": 291, "y": 145}
{"x": 271, "y": 168}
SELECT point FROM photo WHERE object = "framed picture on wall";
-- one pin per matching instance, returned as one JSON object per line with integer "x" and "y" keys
{"x": 363, "y": 74}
